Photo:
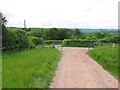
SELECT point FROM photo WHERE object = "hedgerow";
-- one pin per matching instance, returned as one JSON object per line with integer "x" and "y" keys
{"x": 49, "y": 42}
{"x": 77, "y": 43}
{"x": 37, "y": 40}
{"x": 15, "y": 39}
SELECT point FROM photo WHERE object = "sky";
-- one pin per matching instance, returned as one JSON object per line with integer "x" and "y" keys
{"x": 61, "y": 13}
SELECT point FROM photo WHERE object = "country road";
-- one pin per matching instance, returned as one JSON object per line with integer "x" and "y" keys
{"x": 77, "y": 70}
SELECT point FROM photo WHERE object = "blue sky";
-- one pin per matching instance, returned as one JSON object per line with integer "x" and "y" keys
{"x": 61, "y": 13}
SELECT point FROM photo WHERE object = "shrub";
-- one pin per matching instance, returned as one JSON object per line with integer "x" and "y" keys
{"x": 49, "y": 42}
{"x": 31, "y": 43}
{"x": 15, "y": 39}
{"x": 36, "y": 32}
{"x": 77, "y": 43}
{"x": 37, "y": 41}
{"x": 114, "y": 39}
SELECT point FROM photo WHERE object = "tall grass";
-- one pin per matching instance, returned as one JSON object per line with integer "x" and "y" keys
{"x": 30, "y": 69}
{"x": 107, "y": 56}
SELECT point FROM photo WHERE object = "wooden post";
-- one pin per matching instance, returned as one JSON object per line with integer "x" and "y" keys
{"x": 113, "y": 45}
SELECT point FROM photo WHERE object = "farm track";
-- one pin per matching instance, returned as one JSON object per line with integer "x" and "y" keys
{"x": 77, "y": 70}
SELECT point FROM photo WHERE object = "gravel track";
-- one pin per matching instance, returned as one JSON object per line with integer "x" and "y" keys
{"x": 77, "y": 70}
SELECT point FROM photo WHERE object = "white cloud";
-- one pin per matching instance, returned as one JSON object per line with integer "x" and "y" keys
{"x": 61, "y": 13}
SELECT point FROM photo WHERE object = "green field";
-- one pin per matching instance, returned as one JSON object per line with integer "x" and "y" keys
{"x": 30, "y": 69}
{"x": 107, "y": 56}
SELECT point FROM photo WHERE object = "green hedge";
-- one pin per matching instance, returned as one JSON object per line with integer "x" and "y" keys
{"x": 37, "y": 40}
{"x": 114, "y": 39}
{"x": 77, "y": 43}
{"x": 49, "y": 42}
{"x": 15, "y": 39}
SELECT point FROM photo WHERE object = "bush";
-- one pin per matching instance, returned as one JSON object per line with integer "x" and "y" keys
{"x": 37, "y": 41}
{"x": 49, "y": 42}
{"x": 15, "y": 39}
{"x": 36, "y": 32}
{"x": 50, "y": 33}
{"x": 77, "y": 43}
{"x": 114, "y": 39}
{"x": 32, "y": 45}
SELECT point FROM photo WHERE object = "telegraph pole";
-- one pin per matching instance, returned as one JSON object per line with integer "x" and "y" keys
{"x": 24, "y": 24}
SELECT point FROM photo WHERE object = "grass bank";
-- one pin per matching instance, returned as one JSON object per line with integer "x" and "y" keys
{"x": 107, "y": 56}
{"x": 30, "y": 69}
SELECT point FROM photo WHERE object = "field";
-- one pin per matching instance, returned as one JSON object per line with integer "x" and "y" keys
{"x": 30, "y": 69}
{"x": 107, "y": 56}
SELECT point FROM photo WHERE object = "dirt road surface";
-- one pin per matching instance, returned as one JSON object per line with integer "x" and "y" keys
{"x": 77, "y": 70}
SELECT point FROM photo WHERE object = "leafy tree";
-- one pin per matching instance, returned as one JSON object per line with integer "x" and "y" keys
{"x": 77, "y": 33}
{"x": 99, "y": 35}
{"x": 13, "y": 38}
{"x": 50, "y": 34}
{"x": 56, "y": 34}
{"x": 63, "y": 34}
{"x": 115, "y": 39}
{"x": 108, "y": 34}
{"x": 4, "y": 35}
{"x": 3, "y": 19}
{"x": 36, "y": 32}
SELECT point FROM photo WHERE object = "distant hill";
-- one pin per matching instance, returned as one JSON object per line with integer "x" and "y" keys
{"x": 97, "y": 30}
{"x": 84, "y": 30}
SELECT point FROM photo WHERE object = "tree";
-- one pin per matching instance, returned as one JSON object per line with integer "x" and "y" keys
{"x": 99, "y": 35}
{"x": 3, "y": 20}
{"x": 77, "y": 33}
{"x": 4, "y": 35}
{"x": 62, "y": 34}
{"x": 56, "y": 34}
{"x": 36, "y": 32}
{"x": 51, "y": 34}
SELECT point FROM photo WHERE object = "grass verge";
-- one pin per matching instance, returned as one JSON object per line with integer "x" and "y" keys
{"x": 30, "y": 69}
{"x": 107, "y": 56}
